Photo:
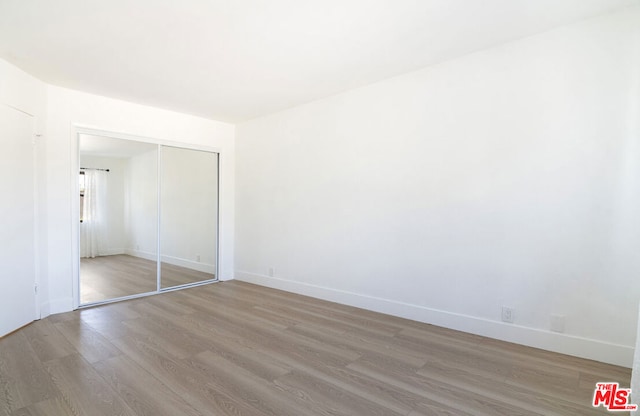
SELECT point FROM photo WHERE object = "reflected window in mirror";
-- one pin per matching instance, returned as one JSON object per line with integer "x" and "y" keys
{"x": 119, "y": 227}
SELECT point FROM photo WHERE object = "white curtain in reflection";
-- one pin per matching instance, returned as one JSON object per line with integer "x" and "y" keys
{"x": 93, "y": 229}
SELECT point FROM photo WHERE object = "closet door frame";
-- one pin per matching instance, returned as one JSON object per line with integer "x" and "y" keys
{"x": 78, "y": 130}
{"x": 19, "y": 302}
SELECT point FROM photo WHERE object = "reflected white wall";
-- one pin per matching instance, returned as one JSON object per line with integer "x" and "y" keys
{"x": 115, "y": 238}
{"x": 189, "y": 208}
{"x": 141, "y": 205}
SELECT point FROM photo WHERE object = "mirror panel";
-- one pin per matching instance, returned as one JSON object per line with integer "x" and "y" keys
{"x": 119, "y": 218}
{"x": 189, "y": 216}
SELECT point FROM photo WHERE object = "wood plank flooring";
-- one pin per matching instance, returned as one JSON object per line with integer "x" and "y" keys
{"x": 232, "y": 348}
{"x": 109, "y": 277}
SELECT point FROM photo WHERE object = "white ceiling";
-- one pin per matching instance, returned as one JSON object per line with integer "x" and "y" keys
{"x": 232, "y": 60}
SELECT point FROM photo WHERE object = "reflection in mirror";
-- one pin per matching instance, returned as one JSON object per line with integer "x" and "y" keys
{"x": 189, "y": 216}
{"x": 119, "y": 218}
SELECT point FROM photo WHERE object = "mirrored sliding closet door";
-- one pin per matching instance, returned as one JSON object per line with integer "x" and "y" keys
{"x": 189, "y": 216}
{"x": 137, "y": 198}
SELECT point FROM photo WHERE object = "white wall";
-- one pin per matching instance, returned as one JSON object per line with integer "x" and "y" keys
{"x": 22, "y": 91}
{"x": 67, "y": 108}
{"x": 506, "y": 177}
{"x": 189, "y": 208}
{"x": 189, "y": 205}
{"x": 141, "y": 205}
{"x": 115, "y": 238}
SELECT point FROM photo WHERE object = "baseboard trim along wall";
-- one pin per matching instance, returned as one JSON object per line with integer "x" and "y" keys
{"x": 189, "y": 264}
{"x": 176, "y": 261}
{"x": 113, "y": 252}
{"x": 621, "y": 355}
{"x": 56, "y": 306}
{"x": 141, "y": 254}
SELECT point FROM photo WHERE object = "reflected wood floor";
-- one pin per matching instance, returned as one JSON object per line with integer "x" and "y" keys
{"x": 233, "y": 348}
{"x": 110, "y": 277}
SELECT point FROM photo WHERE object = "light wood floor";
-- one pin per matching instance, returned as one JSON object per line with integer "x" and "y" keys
{"x": 110, "y": 277}
{"x": 232, "y": 348}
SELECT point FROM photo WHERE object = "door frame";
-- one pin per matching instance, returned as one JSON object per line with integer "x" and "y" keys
{"x": 36, "y": 211}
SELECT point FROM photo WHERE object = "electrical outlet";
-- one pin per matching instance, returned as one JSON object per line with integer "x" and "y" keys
{"x": 272, "y": 271}
{"x": 198, "y": 257}
{"x": 557, "y": 323}
{"x": 507, "y": 314}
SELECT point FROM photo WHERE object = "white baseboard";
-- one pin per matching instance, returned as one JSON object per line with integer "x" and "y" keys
{"x": 193, "y": 265}
{"x": 110, "y": 252}
{"x": 176, "y": 261}
{"x": 45, "y": 310}
{"x": 56, "y": 306}
{"x": 616, "y": 354}
{"x": 142, "y": 254}
{"x": 113, "y": 251}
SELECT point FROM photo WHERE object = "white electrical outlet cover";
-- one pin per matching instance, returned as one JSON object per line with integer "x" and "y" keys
{"x": 507, "y": 314}
{"x": 557, "y": 323}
